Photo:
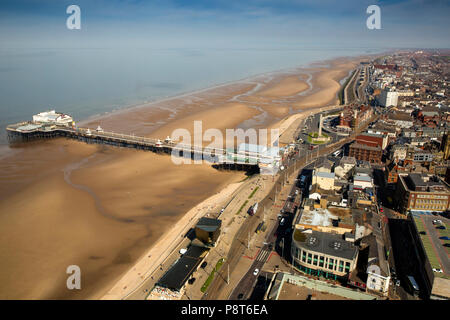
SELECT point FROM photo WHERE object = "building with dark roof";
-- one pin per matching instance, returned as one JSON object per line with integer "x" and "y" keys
{"x": 175, "y": 278}
{"x": 323, "y": 253}
{"x": 208, "y": 230}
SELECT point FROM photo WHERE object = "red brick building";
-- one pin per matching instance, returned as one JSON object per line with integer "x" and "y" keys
{"x": 364, "y": 152}
{"x": 372, "y": 140}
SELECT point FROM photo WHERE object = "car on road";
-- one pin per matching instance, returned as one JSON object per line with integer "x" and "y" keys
{"x": 282, "y": 222}
{"x": 437, "y": 270}
{"x": 255, "y": 273}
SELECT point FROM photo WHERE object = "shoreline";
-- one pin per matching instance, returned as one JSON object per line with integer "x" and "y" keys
{"x": 115, "y": 178}
{"x": 148, "y": 104}
{"x": 117, "y": 291}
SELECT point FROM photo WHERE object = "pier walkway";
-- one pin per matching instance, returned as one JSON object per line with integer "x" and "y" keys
{"x": 27, "y": 131}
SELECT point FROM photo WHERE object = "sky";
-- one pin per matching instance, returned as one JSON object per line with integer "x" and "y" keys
{"x": 237, "y": 24}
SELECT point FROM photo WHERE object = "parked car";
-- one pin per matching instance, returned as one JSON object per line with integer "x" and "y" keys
{"x": 437, "y": 270}
{"x": 255, "y": 273}
{"x": 422, "y": 232}
{"x": 204, "y": 264}
{"x": 441, "y": 227}
{"x": 444, "y": 238}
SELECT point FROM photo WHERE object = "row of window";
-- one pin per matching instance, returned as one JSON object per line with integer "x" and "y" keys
{"x": 430, "y": 196}
{"x": 321, "y": 261}
{"x": 431, "y": 201}
{"x": 441, "y": 207}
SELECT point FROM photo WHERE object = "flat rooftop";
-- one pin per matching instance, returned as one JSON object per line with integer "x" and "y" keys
{"x": 178, "y": 274}
{"x": 317, "y": 217}
{"x": 294, "y": 292}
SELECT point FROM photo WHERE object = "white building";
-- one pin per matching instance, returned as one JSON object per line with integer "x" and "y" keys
{"x": 362, "y": 181}
{"x": 345, "y": 165}
{"x": 388, "y": 98}
{"x": 325, "y": 180}
{"x": 53, "y": 117}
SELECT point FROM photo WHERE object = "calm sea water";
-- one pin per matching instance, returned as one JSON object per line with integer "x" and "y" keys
{"x": 86, "y": 82}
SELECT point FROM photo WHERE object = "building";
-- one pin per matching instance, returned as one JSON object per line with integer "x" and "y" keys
{"x": 365, "y": 153}
{"x": 441, "y": 289}
{"x": 323, "y": 253}
{"x": 53, "y": 117}
{"x": 324, "y": 180}
{"x": 175, "y": 278}
{"x": 400, "y": 119}
{"x": 346, "y": 164}
{"x": 445, "y": 146}
{"x": 398, "y": 152}
{"x": 388, "y": 98}
{"x": 422, "y": 193}
{"x": 362, "y": 181}
{"x": 378, "y": 275}
{"x": 323, "y": 165}
{"x": 207, "y": 230}
{"x": 353, "y": 117}
{"x": 372, "y": 140}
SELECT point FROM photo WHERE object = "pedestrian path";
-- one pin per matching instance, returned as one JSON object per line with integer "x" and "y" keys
{"x": 263, "y": 255}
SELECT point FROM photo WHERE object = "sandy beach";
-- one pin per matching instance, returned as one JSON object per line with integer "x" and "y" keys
{"x": 107, "y": 209}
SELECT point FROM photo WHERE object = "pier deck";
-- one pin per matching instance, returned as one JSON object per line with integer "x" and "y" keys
{"x": 27, "y": 131}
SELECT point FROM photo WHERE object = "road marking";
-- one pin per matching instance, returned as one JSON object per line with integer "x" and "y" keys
{"x": 263, "y": 255}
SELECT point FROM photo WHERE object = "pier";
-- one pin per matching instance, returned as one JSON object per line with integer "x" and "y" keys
{"x": 220, "y": 158}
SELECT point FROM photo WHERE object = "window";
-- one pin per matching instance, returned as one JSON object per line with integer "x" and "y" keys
{"x": 315, "y": 261}
{"x": 309, "y": 258}
{"x": 321, "y": 261}
{"x": 341, "y": 266}
{"x": 303, "y": 256}
{"x": 331, "y": 264}
{"x": 347, "y": 266}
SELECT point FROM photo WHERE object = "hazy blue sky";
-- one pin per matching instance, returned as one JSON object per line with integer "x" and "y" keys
{"x": 224, "y": 24}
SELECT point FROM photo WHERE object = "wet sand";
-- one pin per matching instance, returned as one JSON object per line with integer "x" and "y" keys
{"x": 64, "y": 202}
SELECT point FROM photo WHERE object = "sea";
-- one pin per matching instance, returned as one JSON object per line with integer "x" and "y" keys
{"x": 92, "y": 82}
